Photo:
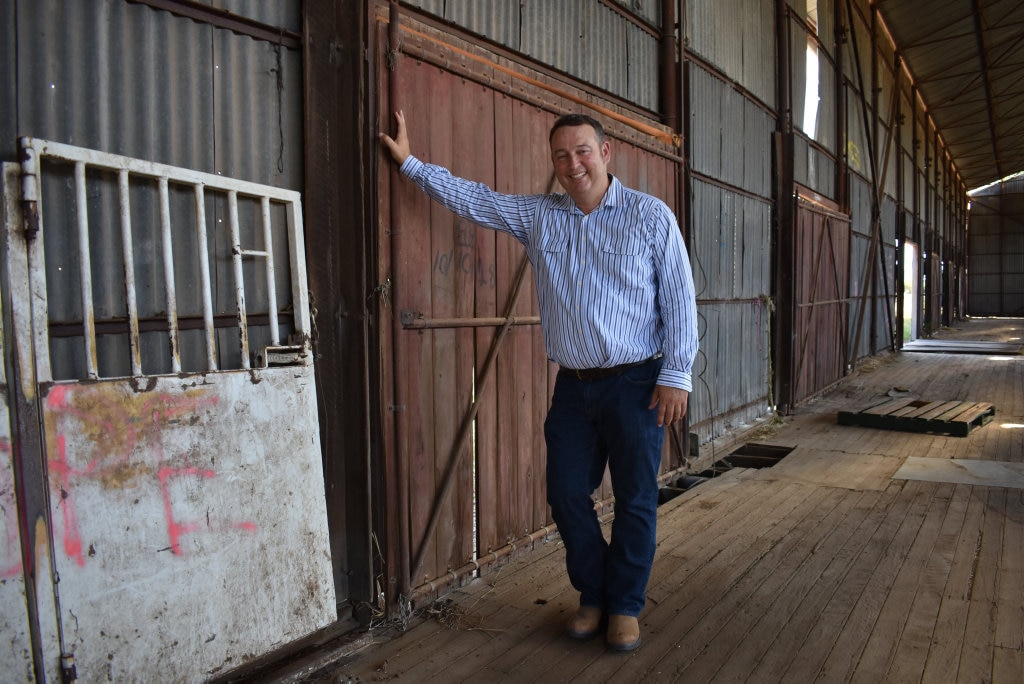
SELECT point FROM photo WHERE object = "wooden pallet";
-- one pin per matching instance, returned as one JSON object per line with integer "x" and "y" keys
{"x": 908, "y": 414}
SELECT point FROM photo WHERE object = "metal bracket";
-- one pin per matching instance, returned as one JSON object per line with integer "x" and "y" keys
{"x": 30, "y": 188}
{"x": 408, "y": 318}
{"x": 291, "y": 355}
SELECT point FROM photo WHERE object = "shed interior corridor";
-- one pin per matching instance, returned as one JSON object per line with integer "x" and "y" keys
{"x": 837, "y": 563}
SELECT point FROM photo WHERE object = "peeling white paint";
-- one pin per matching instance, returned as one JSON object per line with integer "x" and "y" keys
{"x": 190, "y": 523}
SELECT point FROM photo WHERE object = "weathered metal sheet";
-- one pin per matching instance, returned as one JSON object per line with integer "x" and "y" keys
{"x": 642, "y": 84}
{"x": 731, "y": 232}
{"x": 35, "y": 543}
{"x": 15, "y": 647}
{"x": 758, "y": 126}
{"x": 706, "y": 127}
{"x": 206, "y": 92}
{"x": 730, "y": 235}
{"x": 728, "y": 134}
{"x": 287, "y": 15}
{"x": 738, "y": 38}
{"x": 172, "y": 501}
{"x": 603, "y": 46}
{"x": 996, "y": 252}
{"x": 1011, "y": 186}
{"x": 731, "y": 381}
{"x": 813, "y": 168}
{"x": 211, "y": 99}
{"x": 860, "y": 205}
{"x": 117, "y": 451}
{"x": 649, "y": 10}
{"x": 499, "y": 20}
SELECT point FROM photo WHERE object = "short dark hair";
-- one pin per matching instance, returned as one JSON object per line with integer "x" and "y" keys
{"x": 577, "y": 120}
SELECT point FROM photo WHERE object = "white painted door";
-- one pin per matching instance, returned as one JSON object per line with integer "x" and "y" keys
{"x": 167, "y": 319}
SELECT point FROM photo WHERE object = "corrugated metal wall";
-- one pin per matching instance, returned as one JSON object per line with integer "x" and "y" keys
{"x": 729, "y": 147}
{"x": 891, "y": 144}
{"x": 129, "y": 79}
{"x": 200, "y": 97}
{"x": 738, "y": 38}
{"x": 996, "y": 250}
{"x": 595, "y": 44}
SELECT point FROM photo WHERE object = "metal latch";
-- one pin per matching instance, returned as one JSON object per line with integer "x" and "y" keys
{"x": 291, "y": 355}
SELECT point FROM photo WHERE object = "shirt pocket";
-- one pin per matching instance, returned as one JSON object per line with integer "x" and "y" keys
{"x": 624, "y": 244}
{"x": 554, "y": 240}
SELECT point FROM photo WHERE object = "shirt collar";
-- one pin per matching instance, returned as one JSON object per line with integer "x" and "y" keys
{"x": 612, "y": 197}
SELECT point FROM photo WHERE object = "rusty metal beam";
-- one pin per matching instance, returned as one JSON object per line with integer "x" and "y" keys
{"x": 226, "y": 20}
{"x": 467, "y": 420}
{"x": 412, "y": 321}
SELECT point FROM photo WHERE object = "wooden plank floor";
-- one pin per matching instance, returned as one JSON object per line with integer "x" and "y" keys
{"x": 821, "y": 568}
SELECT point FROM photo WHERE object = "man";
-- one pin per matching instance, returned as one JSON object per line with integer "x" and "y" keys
{"x": 618, "y": 313}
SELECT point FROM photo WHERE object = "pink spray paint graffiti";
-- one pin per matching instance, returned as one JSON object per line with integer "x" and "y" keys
{"x": 125, "y": 434}
{"x": 175, "y": 529}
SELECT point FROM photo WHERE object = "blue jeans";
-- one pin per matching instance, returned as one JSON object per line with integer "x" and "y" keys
{"x": 592, "y": 424}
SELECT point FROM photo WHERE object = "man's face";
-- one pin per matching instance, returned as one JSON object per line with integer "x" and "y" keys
{"x": 581, "y": 164}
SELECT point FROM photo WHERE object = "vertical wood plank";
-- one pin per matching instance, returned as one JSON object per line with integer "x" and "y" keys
{"x": 415, "y": 281}
{"x": 491, "y": 118}
{"x": 444, "y": 277}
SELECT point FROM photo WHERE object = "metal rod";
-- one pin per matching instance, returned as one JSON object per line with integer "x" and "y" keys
{"x": 669, "y": 75}
{"x": 172, "y": 297}
{"x": 444, "y": 323}
{"x": 455, "y": 455}
{"x": 236, "y": 258}
{"x": 140, "y": 167}
{"x": 119, "y": 326}
{"x": 128, "y": 249}
{"x": 128, "y": 169}
{"x": 297, "y": 254}
{"x": 85, "y": 272}
{"x": 426, "y": 589}
{"x": 209, "y": 332}
{"x": 268, "y": 242}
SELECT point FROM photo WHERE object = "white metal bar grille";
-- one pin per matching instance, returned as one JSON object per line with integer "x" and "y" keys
{"x": 85, "y": 271}
{"x": 203, "y": 187}
{"x": 268, "y": 255}
{"x": 236, "y": 254}
{"x": 169, "y": 286}
{"x": 209, "y": 338}
{"x": 127, "y": 248}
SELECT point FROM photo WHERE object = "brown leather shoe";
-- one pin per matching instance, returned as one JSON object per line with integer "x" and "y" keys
{"x": 623, "y": 632}
{"x": 585, "y": 624}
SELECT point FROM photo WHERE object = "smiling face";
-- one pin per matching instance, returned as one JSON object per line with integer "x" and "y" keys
{"x": 581, "y": 164}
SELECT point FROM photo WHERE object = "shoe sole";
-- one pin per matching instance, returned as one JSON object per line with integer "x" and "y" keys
{"x": 625, "y": 648}
{"x": 582, "y": 636}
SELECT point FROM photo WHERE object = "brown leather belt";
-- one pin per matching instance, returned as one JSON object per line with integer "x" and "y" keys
{"x": 588, "y": 374}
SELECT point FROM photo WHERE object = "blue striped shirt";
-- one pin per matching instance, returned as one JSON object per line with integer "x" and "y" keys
{"x": 614, "y": 286}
